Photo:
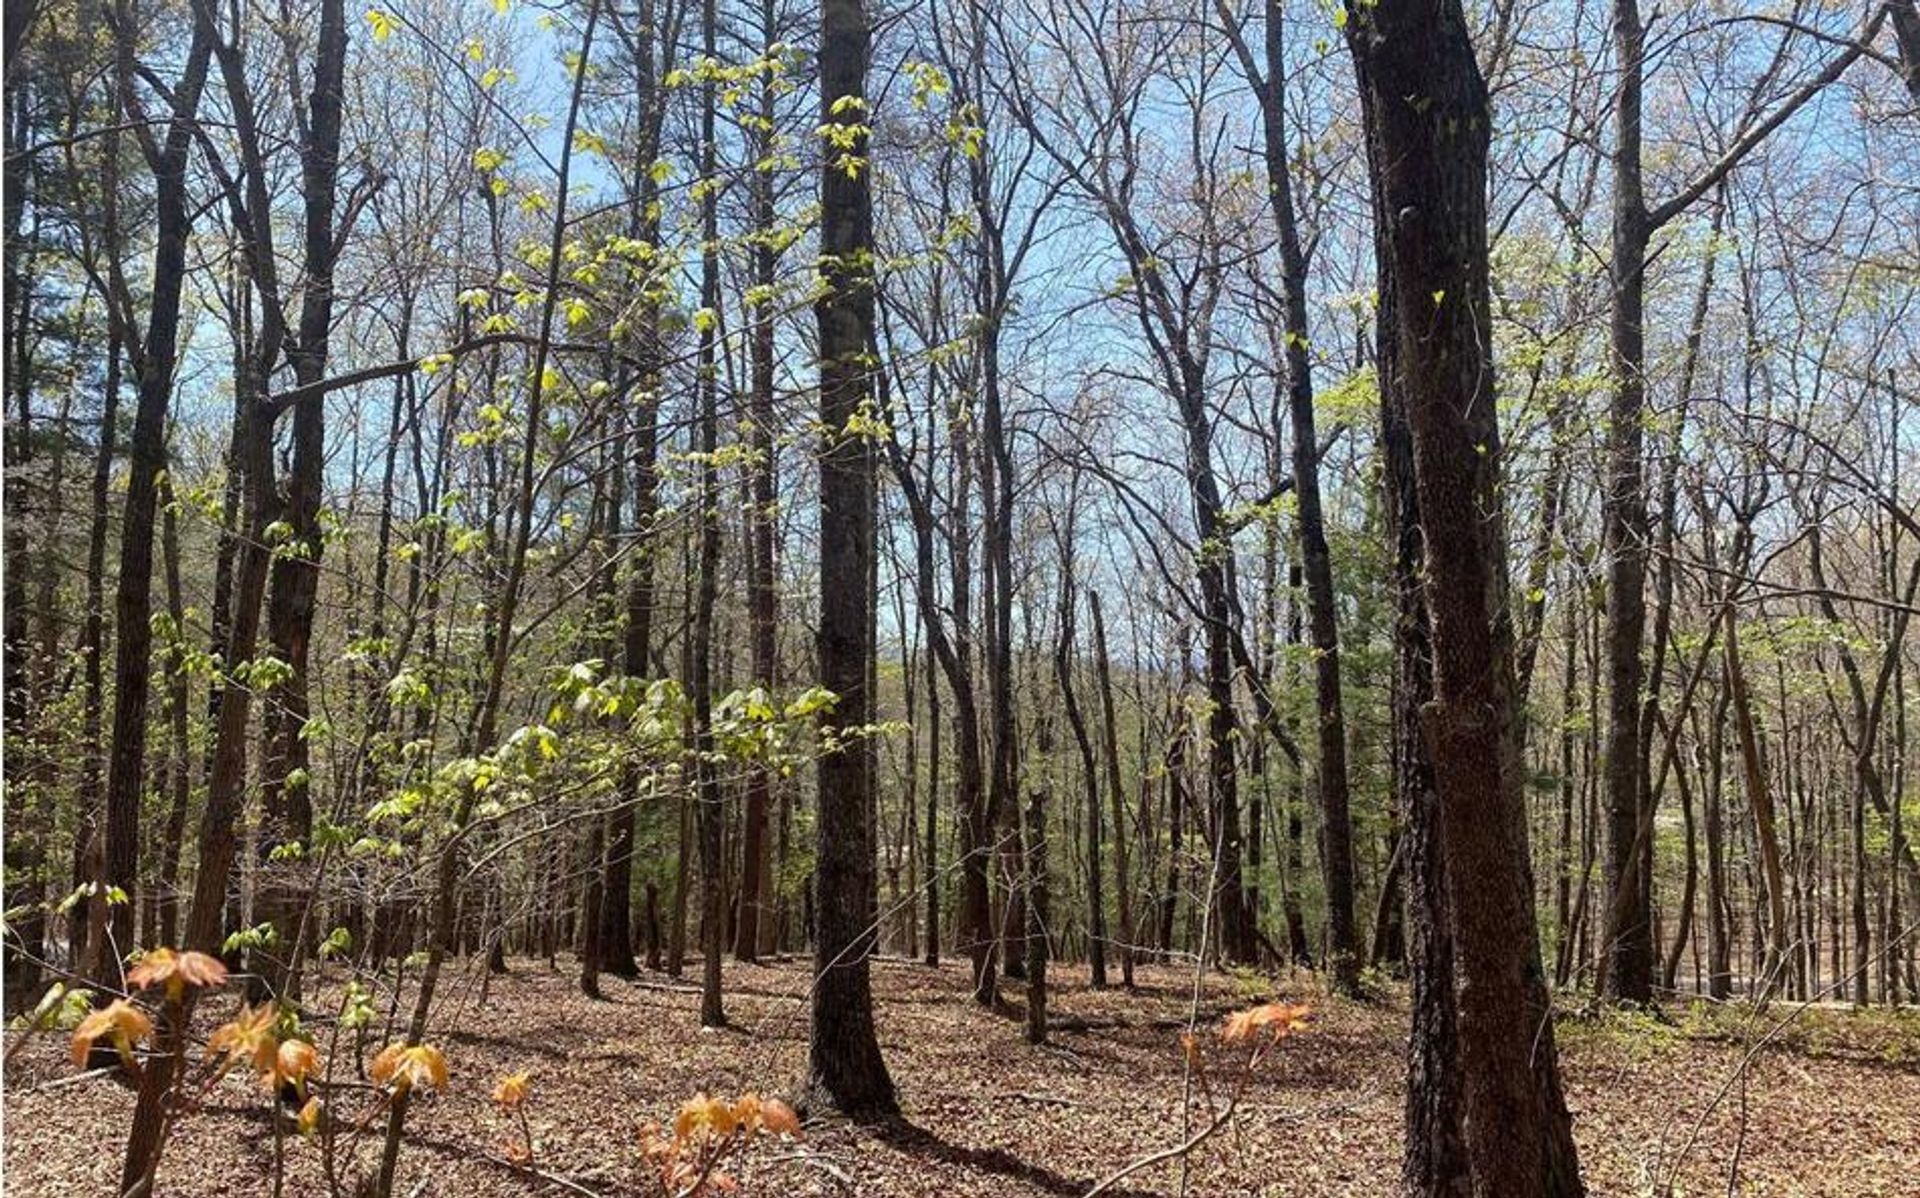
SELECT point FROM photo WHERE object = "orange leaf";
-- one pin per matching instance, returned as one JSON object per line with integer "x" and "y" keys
{"x": 408, "y": 1065}
{"x": 293, "y": 1062}
{"x": 249, "y": 1036}
{"x": 177, "y": 971}
{"x": 1277, "y": 1019}
{"x": 512, "y": 1090}
{"x": 778, "y": 1118}
{"x": 119, "y": 1020}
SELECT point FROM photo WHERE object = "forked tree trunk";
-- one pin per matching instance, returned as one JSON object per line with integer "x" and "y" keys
{"x": 147, "y": 452}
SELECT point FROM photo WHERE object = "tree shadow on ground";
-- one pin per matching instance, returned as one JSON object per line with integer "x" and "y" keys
{"x": 917, "y": 1141}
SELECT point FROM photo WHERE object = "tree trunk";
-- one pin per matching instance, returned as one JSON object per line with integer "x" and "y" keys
{"x": 147, "y": 452}
{"x": 712, "y": 812}
{"x": 180, "y": 768}
{"x": 1434, "y": 1161}
{"x": 133, "y": 597}
{"x": 1089, "y": 771}
{"x": 844, "y": 1067}
{"x": 1429, "y": 167}
{"x": 1116, "y": 796}
{"x": 123, "y": 871}
{"x": 1336, "y": 848}
{"x": 1036, "y": 929}
{"x": 1760, "y": 799}
{"x": 762, "y": 612}
{"x": 617, "y": 902}
{"x": 296, "y": 566}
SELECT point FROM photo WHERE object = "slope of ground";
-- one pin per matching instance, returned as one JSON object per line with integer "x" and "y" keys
{"x": 1829, "y": 1105}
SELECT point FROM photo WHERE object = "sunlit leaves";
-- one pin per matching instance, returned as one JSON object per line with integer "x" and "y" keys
{"x": 254, "y": 939}
{"x": 120, "y": 1023}
{"x": 1272, "y": 1022}
{"x": 176, "y": 972}
{"x": 61, "y": 1007}
{"x": 356, "y": 1007}
{"x": 512, "y": 1090}
{"x": 380, "y": 24}
{"x": 705, "y": 1132}
{"x": 406, "y": 1066}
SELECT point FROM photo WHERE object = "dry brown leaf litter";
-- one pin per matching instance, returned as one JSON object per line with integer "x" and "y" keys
{"x": 1833, "y": 1112}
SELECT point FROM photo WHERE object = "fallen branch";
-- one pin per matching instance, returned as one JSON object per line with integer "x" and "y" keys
{"x": 1165, "y": 1154}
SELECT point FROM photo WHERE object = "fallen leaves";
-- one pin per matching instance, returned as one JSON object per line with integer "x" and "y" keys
{"x": 1321, "y": 1120}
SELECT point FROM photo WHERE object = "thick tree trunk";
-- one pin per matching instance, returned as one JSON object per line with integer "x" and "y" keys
{"x": 1426, "y": 112}
{"x": 133, "y": 597}
{"x": 1624, "y": 531}
{"x": 844, "y": 1067}
{"x": 1435, "y": 1160}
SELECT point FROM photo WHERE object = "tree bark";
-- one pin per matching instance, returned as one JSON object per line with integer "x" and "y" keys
{"x": 1336, "y": 848}
{"x": 762, "y": 609}
{"x": 1036, "y": 929}
{"x": 1089, "y": 770}
{"x": 711, "y": 810}
{"x": 147, "y": 452}
{"x": 1426, "y": 113}
{"x": 296, "y": 569}
{"x": 844, "y": 1067}
{"x": 1116, "y": 794}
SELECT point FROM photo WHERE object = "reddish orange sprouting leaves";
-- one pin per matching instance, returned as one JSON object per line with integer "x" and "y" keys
{"x": 707, "y": 1130}
{"x": 119, "y": 1021}
{"x": 1272, "y": 1022}
{"x": 408, "y": 1065}
{"x": 512, "y": 1090}
{"x": 249, "y": 1037}
{"x": 177, "y": 971}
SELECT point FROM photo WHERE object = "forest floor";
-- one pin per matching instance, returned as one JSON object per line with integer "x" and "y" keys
{"x": 1829, "y": 1105}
